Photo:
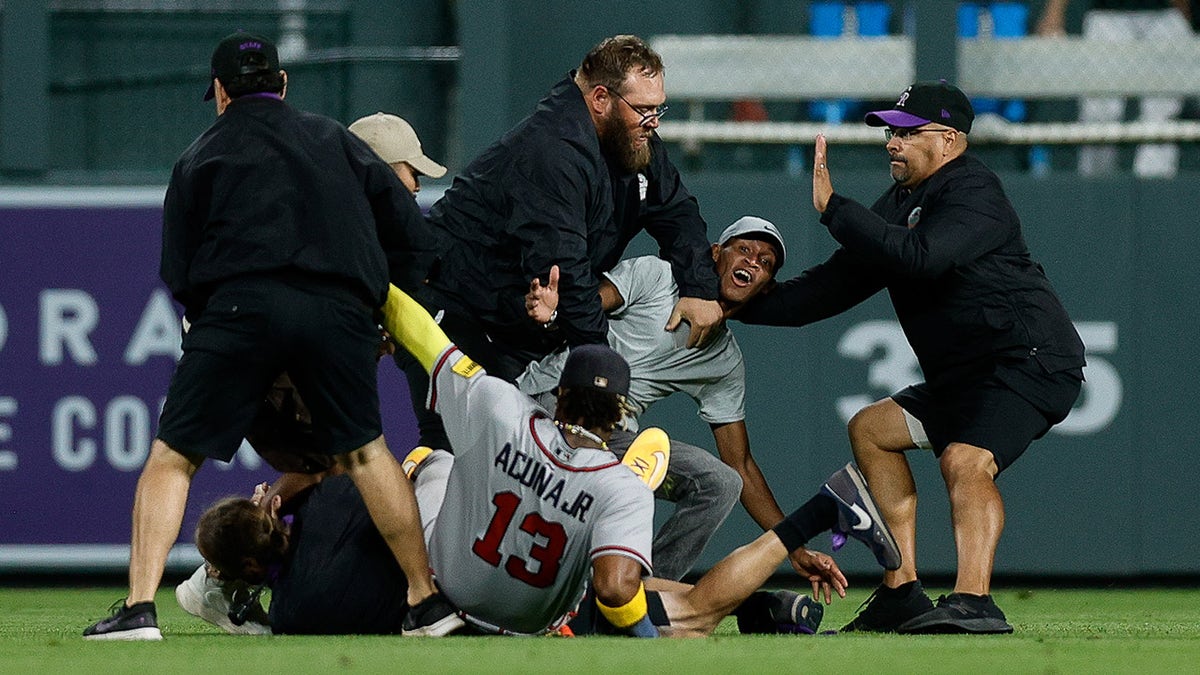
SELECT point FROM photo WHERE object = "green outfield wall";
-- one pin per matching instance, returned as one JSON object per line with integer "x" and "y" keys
{"x": 107, "y": 94}
{"x": 1112, "y": 490}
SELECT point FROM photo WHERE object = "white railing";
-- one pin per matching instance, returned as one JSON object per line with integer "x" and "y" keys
{"x": 710, "y": 68}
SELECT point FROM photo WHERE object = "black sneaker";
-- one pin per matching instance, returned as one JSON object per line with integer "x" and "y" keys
{"x": 773, "y": 612}
{"x": 432, "y": 617}
{"x": 887, "y": 608}
{"x": 960, "y": 613}
{"x": 139, "y": 622}
{"x": 858, "y": 516}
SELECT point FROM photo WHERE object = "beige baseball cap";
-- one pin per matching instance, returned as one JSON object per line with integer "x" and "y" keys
{"x": 394, "y": 140}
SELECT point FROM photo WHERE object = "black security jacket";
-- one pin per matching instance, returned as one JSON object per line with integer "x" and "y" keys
{"x": 269, "y": 189}
{"x": 544, "y": 195}
{"x": 962, "y": 282}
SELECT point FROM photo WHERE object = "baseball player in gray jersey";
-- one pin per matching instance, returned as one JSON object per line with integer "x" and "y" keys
{"x": 537, "y": 500}
{"x": 638, "y": 295}
{"x": 534, "y": 503}
{"x": 549, "y": 511}
{"x": 525, "y": 480}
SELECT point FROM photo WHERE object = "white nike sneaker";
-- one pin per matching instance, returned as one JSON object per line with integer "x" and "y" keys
{"x": 858, "y": 516}
{"x": 211, "y": 599}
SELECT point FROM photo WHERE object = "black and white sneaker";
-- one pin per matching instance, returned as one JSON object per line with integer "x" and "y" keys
{"x": 888, "y": 608}
{"x": 774, "y": 612}
{"x": 432, "y": 617}
{"x": 960, "y": 613}
{"x": 858, "y": 516}
{"x": 139, "y": 622}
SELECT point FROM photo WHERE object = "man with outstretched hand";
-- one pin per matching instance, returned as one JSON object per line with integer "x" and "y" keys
{"x": 1001, "y": 358}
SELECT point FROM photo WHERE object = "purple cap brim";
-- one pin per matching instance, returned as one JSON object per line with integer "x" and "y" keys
{"x": 893, "y": 118}
{"x": 211, "y": 92}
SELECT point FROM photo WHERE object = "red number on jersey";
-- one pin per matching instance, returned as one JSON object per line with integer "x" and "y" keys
{"x": 547, "y": 555}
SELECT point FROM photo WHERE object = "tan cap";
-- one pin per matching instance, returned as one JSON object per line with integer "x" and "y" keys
{"x": 394, "y": 140}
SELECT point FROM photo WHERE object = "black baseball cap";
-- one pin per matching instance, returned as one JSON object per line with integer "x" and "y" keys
{"x": 596, "y": 367}
{"x": 925, "y": 102}
{"x": 241, "y": 53}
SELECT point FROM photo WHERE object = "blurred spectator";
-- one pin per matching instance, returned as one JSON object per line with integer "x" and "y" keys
{"x": 832, "y": 20}
{"x": 1127, "y": 21}
{"x": 998, "y": 21}
{"x": 1001, "y": 21}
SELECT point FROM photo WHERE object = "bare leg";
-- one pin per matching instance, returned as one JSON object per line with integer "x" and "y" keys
{"x": 976, "y": 511}
{"x": 393, "y": 507}
{"x": 879, "y": 436}
{"x": 158, "y": 506}
{"x": 696, "y": 611}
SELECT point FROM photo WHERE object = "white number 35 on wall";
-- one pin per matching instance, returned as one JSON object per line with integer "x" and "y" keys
{"x": 893, "y": 366}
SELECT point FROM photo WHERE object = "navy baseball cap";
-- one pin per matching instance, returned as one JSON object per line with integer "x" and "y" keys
{"x": 925, "y": 102}
{"x": 596, "y": 367}
{"x": 753, "y": 227}
{"x": 241, "y": 53}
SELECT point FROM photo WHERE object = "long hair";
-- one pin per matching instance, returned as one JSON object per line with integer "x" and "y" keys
{"x": 609, "y": 62}
{"x": 590, "y": 408}
{"x": 235, "y": 529}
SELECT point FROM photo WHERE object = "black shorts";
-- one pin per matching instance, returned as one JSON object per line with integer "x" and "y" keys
{"x": 989, "y": 413}
{"x": 252, "y": 330}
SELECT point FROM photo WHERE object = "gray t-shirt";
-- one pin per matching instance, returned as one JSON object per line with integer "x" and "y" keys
{"x": 660, "y": 363}
{"x": 524, "y": 513}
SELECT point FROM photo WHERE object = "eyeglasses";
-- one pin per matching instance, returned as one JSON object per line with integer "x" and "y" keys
{"x": 647, "y": 112}
{"x": 903, "y": 133}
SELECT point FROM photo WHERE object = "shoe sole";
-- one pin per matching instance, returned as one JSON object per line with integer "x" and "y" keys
{"x": 193, "y": 604}
{"x": 877, "y": 521}
{"x": 145, "y": 634}
{"x": 441, "y": 628}
{"x": 809, "y": 613}
{"x": 854, "y": 627}
{"x": 960, "y": 626}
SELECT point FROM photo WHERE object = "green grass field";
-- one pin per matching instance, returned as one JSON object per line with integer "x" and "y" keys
{"x": 1112, "y": 630}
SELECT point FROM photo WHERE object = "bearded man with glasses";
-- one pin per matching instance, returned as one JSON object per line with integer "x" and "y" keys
{"x": 571, "y": 185}
{"x": 1001, "y": 359}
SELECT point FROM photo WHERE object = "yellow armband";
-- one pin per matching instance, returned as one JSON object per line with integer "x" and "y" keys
{"x": 628, "y": 614}
{"x": 412, "y": 327}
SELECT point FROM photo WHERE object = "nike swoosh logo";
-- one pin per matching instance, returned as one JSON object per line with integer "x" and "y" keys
{"x": 864, "y": 521}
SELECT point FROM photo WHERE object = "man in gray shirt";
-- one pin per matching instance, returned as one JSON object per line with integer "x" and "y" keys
{"x": 638, "y": 295}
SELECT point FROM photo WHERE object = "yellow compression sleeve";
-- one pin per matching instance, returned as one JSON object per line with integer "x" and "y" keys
{"x": 628, "y": 614}
{"x": 412, "y": 327}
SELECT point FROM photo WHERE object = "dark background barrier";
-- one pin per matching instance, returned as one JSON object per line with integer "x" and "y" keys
{"x": 108, "y": 94}
{"x": 88, "y": 340}
{"x": 1111, "y": 492}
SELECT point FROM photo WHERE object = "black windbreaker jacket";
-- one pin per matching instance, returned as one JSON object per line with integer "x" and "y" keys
{"x": 951, "y": 254}
{"x": 271, "y": 189}
{"x": 544, "y": 195}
